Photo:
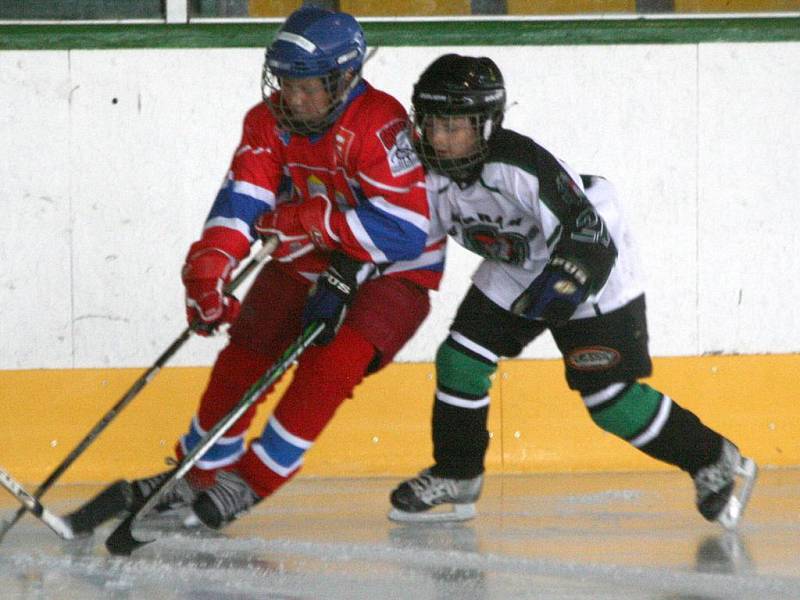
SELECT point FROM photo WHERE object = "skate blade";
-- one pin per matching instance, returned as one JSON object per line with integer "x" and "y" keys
{"x": 747, "y": 473}
{"x": 191, "y": 521}
{"x": 168, "y": 521}
{"x": 458, "y": 512}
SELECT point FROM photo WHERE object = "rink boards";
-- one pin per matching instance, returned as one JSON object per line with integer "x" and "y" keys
{"x": 536, "y": 423}
{"x": 663, "y": 108}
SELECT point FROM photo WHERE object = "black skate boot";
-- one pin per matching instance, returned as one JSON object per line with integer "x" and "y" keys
{"x": 716, "y": 483}
{"x": 225, "y": 501}
{"x": 124, "y": 497}
{"x": 114, "y": 501}
{"x": 412, "y": 498}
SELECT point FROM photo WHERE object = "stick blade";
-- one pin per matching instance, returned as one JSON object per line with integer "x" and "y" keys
{"x": 122, "y": 542}
{"x": 7, "y": 525}
{"x": 113, "y": 501}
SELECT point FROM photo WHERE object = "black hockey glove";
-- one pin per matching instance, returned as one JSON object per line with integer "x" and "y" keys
{"x": 579, "y": 266}
{"x": 556, "y": 293}
{"x": 333, "y": 293}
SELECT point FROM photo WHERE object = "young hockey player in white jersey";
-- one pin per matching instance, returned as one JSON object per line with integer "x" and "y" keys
{"x": 557, "y": 256}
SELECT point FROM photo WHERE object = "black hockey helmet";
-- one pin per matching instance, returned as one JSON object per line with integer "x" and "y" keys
{"x": 457, "y": 86}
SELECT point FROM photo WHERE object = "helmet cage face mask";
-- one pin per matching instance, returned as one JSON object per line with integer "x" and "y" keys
{"x": 462, "y": 165}
{"x": 337, "y": 85}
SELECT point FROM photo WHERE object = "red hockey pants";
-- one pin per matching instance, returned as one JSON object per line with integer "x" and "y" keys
{"x": 385, "y": 314}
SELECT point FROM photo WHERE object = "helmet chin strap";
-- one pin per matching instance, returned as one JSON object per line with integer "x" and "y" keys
{"x": 348, "y": 88}
{"x": 488, "y": 125}
{"x": 352, "y": 85}
{"x": 343, "y": 95}
{"x": 464, "y": 174}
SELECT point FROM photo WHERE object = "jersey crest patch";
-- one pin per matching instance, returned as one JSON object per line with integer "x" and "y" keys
{"x": 399, "y": 151}
{"x": 504, "y": 246}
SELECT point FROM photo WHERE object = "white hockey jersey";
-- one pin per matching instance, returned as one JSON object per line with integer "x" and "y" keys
{"x": 512, "y": 216}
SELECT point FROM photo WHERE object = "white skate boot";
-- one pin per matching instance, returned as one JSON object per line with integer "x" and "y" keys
{"x": 413, "y": 499}
{"x": 228, "y": 499}
{"x": 724, "y": 487}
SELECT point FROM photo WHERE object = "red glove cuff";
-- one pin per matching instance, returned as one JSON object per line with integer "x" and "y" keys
{"x": 315, "y": 218}
{"x": 299, "y": 227}
{"x": 208, "y": 268}
{"x": 231, "y": 242}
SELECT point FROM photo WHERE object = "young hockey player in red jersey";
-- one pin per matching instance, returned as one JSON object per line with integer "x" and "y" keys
{"x": 557, "y": 256}
{"x": 325, "y": 165}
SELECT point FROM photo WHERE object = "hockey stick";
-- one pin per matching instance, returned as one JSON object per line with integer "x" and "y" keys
{"x": 30, "y": 503}
{"x": 122, "y": 541}
{"x": 266, "y": 249}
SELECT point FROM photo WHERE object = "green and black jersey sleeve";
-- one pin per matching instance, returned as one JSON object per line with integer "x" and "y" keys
{"x": 582, "y": 235}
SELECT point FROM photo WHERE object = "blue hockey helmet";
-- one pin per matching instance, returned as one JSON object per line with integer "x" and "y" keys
{"x": 314, "y": 43}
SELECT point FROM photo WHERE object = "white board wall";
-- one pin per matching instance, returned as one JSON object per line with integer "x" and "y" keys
{"x": 110, "y": 159}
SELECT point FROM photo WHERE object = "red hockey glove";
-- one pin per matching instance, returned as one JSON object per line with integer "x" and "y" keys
{"x": 206, "y": 272}
{"x": 299, "y": 227}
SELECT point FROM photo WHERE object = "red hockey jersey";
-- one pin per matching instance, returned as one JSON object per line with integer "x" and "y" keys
{"x": 367, "y": 167}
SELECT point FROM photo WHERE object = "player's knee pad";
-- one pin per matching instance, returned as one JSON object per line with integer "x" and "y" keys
{"x": 464, "y": 368}
{"x": 234, "y": 372}
{"x": 460, "y": 438}
{"x": 625, "y": 409}
{"x": 325, "y": 377}
{"x": 338, "y": 367}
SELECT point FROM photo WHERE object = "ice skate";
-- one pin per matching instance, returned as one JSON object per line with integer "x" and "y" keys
{"x": 225, "y": 501}
{"x": 181, "y": 495}
{"x": 115, "y": 500}
{"x": 414, "y": 499}
{"x": 124, "y": 497}
{"x": 724, "y": 487}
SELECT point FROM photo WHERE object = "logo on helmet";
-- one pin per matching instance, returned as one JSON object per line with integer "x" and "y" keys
{"x": 494, "y": 96}
{"x": 437, "y": 97}
{"x": 347, "y": 57}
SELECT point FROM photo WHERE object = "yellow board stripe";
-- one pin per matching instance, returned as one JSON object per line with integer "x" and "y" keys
{"x": 537, "y": 424}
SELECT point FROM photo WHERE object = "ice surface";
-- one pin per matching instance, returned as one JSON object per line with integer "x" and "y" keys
{"x": 566, "y": 536}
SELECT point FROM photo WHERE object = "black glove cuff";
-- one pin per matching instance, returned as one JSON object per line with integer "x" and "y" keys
{"x": 345, "y": 265}
{"x": 345, "y": 274}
